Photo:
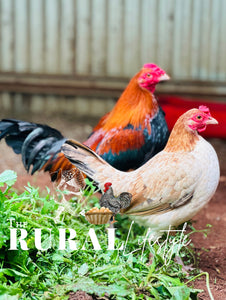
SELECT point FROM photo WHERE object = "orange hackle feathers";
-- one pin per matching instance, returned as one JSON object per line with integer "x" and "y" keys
{"x": 132, "y": 107}
{"x": 181, "y": 139}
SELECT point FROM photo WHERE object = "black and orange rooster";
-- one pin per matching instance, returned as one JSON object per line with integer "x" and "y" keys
{"x": 134, "y": 131}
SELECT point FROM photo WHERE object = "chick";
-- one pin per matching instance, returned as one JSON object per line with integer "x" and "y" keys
{"x": 115, "y": 204}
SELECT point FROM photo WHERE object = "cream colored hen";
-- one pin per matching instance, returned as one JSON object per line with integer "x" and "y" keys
{"x": 172, "y": 186}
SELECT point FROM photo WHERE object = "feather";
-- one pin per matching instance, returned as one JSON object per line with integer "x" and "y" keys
{"x": 37, "y": 143}
{"x": 42, "y": 145}
{"x": 130, "y": 147}
{"x": 33, "y": 135}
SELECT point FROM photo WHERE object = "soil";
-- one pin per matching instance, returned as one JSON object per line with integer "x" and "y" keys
{"x": 210, "y": 250}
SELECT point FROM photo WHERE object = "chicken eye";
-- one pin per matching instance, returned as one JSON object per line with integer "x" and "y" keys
{"x": 199, "y": 117}
{"x": 148, "y": 75}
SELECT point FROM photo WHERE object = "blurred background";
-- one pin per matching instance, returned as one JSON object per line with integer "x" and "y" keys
{"x": 74, "y": 57}
{"x": 65, "y": 62}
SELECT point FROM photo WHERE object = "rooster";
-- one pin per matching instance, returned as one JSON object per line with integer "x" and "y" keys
{"x": 126, "y": 137}
{"x": 172, "y": 186}
{"x": 115, "y": 204}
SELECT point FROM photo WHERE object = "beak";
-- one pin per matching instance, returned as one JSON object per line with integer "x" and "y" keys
{"x": 211, "y": 121}
{"x": 164, "y": 77}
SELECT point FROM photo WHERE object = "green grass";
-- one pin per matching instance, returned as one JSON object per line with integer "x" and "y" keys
{"x": 142, "y": 271}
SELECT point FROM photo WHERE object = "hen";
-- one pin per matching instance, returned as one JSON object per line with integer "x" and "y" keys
{"x": 171, "y": 187}
{"x": 130, "y": 134}
{"x": 174, "y": 106}
{"x": 115, "y": 204}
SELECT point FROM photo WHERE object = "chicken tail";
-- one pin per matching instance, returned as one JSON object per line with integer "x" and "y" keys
{"x": 40, "y": 147}
{"x": 87, "y": 161}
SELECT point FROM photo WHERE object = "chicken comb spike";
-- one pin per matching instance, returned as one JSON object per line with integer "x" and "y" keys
{"x": 149, "y": 66}
{"x": 204, "y": 109}
{"x": 106, "y": 186}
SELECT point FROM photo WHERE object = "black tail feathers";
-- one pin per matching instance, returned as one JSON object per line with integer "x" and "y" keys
{"x": 36, "y": 143}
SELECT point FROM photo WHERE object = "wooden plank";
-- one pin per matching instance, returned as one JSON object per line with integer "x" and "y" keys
{"x": 6, "y": 100}
{"x": 67, "y": 41}
{"x": 162, "y": 46}
{"x": 52, "y": 54}
{"x": 205, "y": 39}
{"x": 36, "y": 24}
{"x": 132, "y": 42}
{"x": 100, "y": 86}
{"x": 148, "y": 31}
{"x": 99, "y": 36}
{"x": 0, "y": 34}
{"x": 166, "y": 41}
{"x": 115, "y": 48}
{"x": 37, "y": 103}
{"x": 221, "y": 63}
{"x": 214, "y": 39}
{"x": 114, "y": 38}
{"x": 195, "y": 38}
{"x": 181, "y": 49}
{"x": 7, "y": 35}
{"x": 185, "y": 55}
{"x": 21, "y": 36}
{"x": 28, "y": 33}
{"x": 44, "y": 43}
{"x": 59, "y": 20}
{"x": 176, "y": 57}
{"x": 83, "y": 37}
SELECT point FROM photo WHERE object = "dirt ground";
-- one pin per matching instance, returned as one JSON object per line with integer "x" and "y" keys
{"x": 210, "y": 250}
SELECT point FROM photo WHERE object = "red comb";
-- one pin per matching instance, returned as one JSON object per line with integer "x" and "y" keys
{"x": 107, "y": 185}
{"x": 149, "y": 66}
{"x": 204, "y": 109}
